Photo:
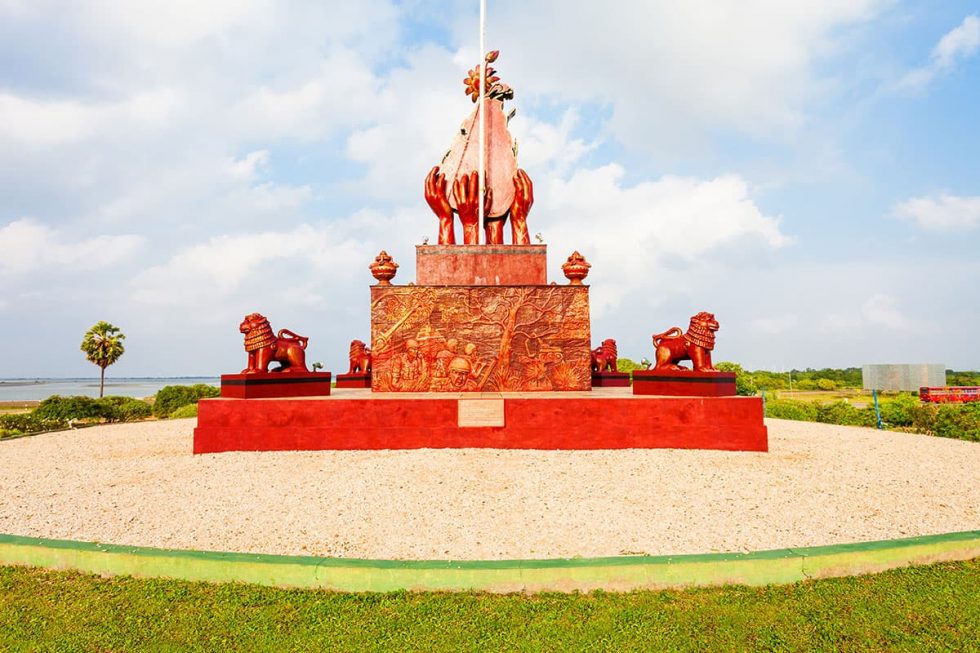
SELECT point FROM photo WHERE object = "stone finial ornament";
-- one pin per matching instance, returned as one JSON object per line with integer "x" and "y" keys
{"x": 383, "y": 268}
{"x": 576, "y": 268}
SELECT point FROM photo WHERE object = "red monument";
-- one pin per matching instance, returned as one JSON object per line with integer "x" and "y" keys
{"x": 482, "y": 351}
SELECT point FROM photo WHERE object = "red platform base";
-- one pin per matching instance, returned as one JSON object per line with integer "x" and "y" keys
{"x": 683, "y": 383}
{"x": 611, "y": 418}
{"x": 275, "y": 384}
{"x": 353, "y": 380}
{"x": 610, "y": 380}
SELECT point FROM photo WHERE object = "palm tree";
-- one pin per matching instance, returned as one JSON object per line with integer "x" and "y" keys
{"x": 103, "y": 346}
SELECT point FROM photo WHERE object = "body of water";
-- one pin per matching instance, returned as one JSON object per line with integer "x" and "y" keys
{"x": 35, "y": 389}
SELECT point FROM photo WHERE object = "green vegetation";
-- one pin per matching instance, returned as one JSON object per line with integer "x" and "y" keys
{"x": 190, "y": 410}
{"x": 103, "y": 346}
{"x": 962, "y": 378}
{"x": 57, "y": 412}
{"x": 903, "y": 412}
{"x": 172, "y": 397}
{"x": 627, "y": 365}
{"x": 912, "y": 609}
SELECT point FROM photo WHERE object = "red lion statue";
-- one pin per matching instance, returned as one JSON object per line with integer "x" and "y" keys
{"x": 263, "y": 347}
{"x": 674, "y": 345}
{"x": 604, "y": 357}
{"x": 360, "y": 358}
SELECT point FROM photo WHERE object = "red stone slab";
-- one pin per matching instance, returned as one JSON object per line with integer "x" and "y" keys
{"x": 481, "y": 265}
{"x": 354, "y": 419}
{"x": 273, "y": 384}
{"x": 683, "y": 383}
{"x": 610, "y": 380}
{"x": 353, "y": 380}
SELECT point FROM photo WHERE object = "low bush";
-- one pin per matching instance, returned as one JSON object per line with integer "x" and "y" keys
{"x": 958, "y": 421}
{"x": 20, "y": 423}
{"x": 190, "y": 410}
{"x": 901, "y": 410}
{"x": 172, "y": 397}
{"x": 797, "y": 410}
{"x": 127, "y": 409}
{"x": 843, "y": 413}
{"x": 61, "y": 408}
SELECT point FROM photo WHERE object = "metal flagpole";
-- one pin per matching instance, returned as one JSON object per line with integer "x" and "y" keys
{"x": 483, "y": 85}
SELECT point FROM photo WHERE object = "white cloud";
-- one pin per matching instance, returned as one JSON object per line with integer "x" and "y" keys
{"x": 941, "y": 213}
{"x": 633, "y": 233}
{"x": 877, "y": 311}
{"x": 214, "y": 271}
{"x": 775, "y": 325}
{"x": 958, "y": 44}
{"x": 29, "y": 246}
{"x": 671, "y": 71}
{"x": 48, "y": 123}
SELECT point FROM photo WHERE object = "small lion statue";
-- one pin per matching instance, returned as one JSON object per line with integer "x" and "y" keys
{"x": 673, "y": 345}
{"x": 604, "y": 357}
{"x": 263, "y": 347}
{"x": 360, "y": 358}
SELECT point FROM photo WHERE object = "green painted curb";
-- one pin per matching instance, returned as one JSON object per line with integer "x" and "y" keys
{"x": 621, "y": 573}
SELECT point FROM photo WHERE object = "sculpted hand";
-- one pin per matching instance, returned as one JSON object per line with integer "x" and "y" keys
{"x": 466, "y": 190}
{"x": 523, "y": 199}
{"x": 435, "y": 196}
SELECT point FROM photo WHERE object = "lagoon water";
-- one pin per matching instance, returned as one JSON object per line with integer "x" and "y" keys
{"x": 35, "y": 389}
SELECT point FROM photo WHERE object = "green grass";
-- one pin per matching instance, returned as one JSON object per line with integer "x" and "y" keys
{"x": 919, "y": 608}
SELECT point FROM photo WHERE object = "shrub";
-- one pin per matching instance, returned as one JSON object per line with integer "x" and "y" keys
{"x": 173, "y": 397}
{"x": 128, "y": 409}
{"x": 745, "y": 384}
{"x": 826, "y": 384}
{"x": 28, "y": 423}
{"x": 798, "y": 410}
{"x": 190, "y": 410}
{"x": 958, "y": 421}
{"x": 899, "y": 411}
{"x": 806, "y": 384}
{"x": 63, "y": 409}
{"x": 627, "y": 365}
{"x": 843, "y": 413}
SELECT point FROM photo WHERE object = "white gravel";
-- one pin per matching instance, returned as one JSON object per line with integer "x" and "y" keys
{"x": 139, "y": 484}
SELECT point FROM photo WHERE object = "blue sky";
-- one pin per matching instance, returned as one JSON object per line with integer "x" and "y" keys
{"x": 807, "y": 171}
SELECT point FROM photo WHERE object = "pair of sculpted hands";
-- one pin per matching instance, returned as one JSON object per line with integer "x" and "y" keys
{"x": 466, "y": 191}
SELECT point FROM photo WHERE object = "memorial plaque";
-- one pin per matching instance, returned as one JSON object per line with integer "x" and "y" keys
{"x": 480, "y": 412}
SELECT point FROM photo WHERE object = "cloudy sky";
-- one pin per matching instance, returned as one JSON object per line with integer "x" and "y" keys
{"x": 808, "y": 171}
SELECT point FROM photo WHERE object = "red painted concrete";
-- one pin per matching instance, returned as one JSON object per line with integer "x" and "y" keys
{"x": 620, "y": 422}
{"x": 353, "y": 380}
{"x": 481, "y": 265}
{"x": 683, "y": 383}
{"x": 273, "y": 384}
{"x": 610, "y": 380}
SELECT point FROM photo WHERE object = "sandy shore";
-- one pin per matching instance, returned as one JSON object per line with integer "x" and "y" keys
{"x": 820, "y": 484}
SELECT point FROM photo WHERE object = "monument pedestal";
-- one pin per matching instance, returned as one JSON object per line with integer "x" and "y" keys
{"x": 683, "y": 383}
{"x": 275, "y": 384}
{"x": 481, "y": 265}
{"x": 607, "y": 418}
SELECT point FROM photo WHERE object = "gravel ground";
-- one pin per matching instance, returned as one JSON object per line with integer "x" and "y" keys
{"x": 139, "y": 484}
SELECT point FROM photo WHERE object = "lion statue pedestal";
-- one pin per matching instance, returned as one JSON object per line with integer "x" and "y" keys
{"x": 264, "y": 347}
{"x": 359, "y": 373}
